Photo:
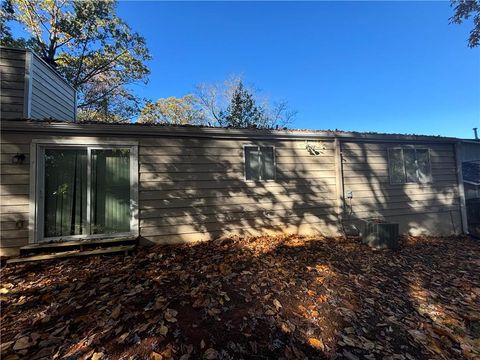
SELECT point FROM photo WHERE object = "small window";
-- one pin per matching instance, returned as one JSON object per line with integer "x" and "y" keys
{"x": 259, "y": 163}
{"x": 409, "y": 166}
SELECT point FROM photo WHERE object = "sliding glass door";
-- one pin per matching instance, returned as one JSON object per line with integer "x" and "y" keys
{"x": 110, "y": 191}
{"x": 65, "y": 201}
{"x": 84, "y": 191}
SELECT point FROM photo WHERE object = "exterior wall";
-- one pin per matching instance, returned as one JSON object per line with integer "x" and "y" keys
{"x": 12, "y": 88}
{"x": 419, "y": 208}
{"x": 51, "y": 97}
{"x": 194, "y": 189}
{"x": 14, "y": 192}
{"x": 470, "y": 150}
{"x": 471, "y": 191}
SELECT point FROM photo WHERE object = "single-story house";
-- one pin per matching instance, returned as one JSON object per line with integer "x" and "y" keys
{"x": 470, "y": 157}
{"x": 471, "y": 179}
{"x": 62, "y": 180}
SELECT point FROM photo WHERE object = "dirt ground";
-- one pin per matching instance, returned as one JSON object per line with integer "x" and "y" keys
{"x": 259, "y": 298}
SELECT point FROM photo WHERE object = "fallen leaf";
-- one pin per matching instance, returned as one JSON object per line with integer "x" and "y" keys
{"x": 163, "y": 330}
{"x": 97, "y": 356}
{"x": 170, "y": 315}
{"x": 22, "y": 343}
{"x": 210, "y": 354}
{"x": 277, "y": 304}
{"x": 116, "y": 312}
{"x": 316, "y": 343}
{"x": 155, "y": 356}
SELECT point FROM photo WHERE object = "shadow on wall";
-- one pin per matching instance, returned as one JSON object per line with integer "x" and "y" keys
{"x": 194, "y": 189}
{"x": 421, "y": 209}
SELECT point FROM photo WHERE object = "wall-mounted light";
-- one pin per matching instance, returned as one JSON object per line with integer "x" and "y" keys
{"x": 18, "y": 158}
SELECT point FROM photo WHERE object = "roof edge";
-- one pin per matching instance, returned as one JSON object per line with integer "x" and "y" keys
{"x": 208, "y": 132}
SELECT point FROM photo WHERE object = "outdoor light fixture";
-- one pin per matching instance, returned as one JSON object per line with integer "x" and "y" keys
{"x": 18, "y": 159}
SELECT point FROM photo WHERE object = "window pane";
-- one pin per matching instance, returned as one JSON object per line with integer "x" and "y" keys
{"x": 268, "y": 163}
{"x": 395, "y": 164}
{"x": 423, "y": 166}
{"x": 410, "y": 165}
{"x": 65, "y": 192}
{"x": 110, "y": 191}
{"x": 252, "y": 166}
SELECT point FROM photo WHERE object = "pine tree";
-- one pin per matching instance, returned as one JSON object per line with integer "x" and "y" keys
{"x": 242, "y": 111}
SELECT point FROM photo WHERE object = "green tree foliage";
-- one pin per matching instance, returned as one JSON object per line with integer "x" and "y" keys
{"x": 242, "y": 112}
{"x": 464, "y": 9}
{"x": 172, "y": 110}
{"x": 94, "y": 49}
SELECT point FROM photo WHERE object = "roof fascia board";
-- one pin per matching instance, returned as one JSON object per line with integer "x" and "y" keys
{"x": 222, "y": 133}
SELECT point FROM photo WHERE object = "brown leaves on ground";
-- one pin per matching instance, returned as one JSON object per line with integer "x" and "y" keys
{"x": 268, "y": 297}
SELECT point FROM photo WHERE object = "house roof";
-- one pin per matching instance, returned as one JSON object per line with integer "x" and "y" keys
{"x": 101, "y": 128}
{"x": 471, "y": 172}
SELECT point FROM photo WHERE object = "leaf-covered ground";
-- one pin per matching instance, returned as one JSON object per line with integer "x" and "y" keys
{"x": 261, "y": 298}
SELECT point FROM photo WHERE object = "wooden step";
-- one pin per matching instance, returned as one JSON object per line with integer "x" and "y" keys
{"x": 81, "y": 244}
{"x": 73, "y": 253}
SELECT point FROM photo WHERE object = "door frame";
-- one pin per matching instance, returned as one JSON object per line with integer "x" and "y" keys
{"x": 37, "y": 170}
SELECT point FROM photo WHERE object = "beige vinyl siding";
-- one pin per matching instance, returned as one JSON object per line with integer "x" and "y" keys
{"x": 12, "y": 83}
{"x": 194, "y": 189}
{"x": 14, "y": 191}
{"x": 432, "y": 208}
{"x": 51, "y": 96}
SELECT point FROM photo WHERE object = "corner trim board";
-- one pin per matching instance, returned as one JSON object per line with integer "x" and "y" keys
{"x": 461, "y": 190}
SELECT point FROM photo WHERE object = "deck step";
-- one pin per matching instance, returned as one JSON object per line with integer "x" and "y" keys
{"x": 80, "y": 244}
{"x": 73, "y": 253}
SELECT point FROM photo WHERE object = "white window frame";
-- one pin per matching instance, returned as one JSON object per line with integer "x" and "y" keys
{"x": 405, "y": 168}
{"x": 259, "y": 161}
{"x": 37, "y": 172}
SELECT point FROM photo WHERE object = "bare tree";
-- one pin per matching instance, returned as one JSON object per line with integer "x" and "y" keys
{"x": 214, "y": 99}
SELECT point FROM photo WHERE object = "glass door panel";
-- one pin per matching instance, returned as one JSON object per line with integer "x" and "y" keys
{"x": 65, "y": 192}
{"x": 110, "y": 191}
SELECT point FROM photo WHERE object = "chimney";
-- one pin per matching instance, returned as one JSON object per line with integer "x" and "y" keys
{"x": 475, "y": 132}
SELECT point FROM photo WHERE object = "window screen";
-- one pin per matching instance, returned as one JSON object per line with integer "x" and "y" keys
{"x": 268, "y": 163}
{"x": 409, "y": 166}
{"x": 252, "y": 163}
{"x": 259, "y": 163}
{"x": 423, "y": 166}
{"x": 397, "y": 171}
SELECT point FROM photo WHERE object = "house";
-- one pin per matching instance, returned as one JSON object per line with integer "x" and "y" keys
{"x": 62, "y": 180}
{"x": 470, "y": 157}
{"x": 31, "y": 89}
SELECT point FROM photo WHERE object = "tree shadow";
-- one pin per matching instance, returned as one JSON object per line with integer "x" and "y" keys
{"x": 195, "y": 189}
{"x": 248, "y": 298}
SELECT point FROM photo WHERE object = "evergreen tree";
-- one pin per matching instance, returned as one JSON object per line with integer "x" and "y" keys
{"x": 242, "y": 112}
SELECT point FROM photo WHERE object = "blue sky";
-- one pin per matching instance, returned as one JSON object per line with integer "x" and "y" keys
{"x": 367, "y": 66}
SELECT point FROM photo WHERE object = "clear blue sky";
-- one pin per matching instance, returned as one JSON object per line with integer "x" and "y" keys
{"x": 366, "y": 66}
